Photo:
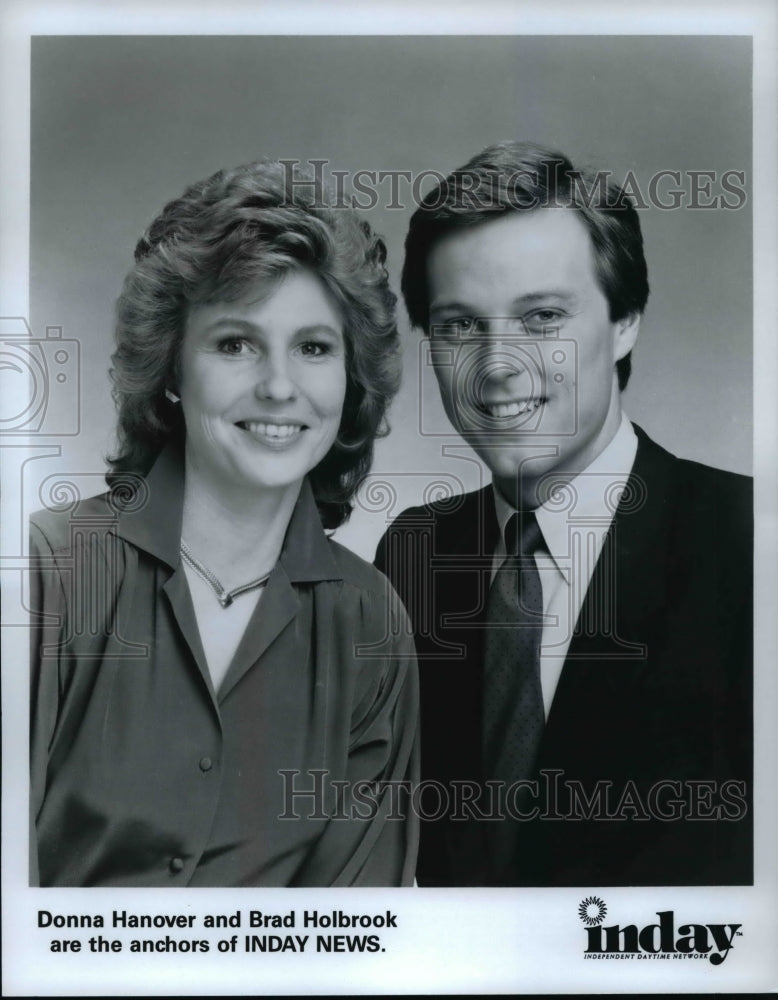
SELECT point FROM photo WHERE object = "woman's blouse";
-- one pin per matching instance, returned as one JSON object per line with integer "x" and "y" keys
{"x": 299, "y": 772}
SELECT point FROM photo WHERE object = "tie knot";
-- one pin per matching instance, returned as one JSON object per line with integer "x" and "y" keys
{"x": 522, "y": 534}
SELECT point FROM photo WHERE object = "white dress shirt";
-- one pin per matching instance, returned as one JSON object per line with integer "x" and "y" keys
{"x": 574, "y": 522}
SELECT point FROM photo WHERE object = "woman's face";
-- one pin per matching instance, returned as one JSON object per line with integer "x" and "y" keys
{"x": 263, "y": 380}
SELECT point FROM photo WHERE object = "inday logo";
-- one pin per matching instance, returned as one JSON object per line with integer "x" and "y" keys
{"x": 660, "y": 940}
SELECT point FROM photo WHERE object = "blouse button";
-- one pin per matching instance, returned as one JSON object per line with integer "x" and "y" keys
{"x": 176, "y": 865}
{"x": 206, "y": 763}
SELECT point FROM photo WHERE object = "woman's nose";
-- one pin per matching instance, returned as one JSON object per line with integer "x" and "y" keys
{"x": 274, "y": 380}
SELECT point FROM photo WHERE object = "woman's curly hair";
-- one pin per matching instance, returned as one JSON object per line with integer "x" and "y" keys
{"x": 238, "y": 227}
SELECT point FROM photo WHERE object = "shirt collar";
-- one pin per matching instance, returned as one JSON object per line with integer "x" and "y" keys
{"x": 595, "y": 491}
{"x": 306, "y": 554}
{"x": 151, "y": 520}
{"x": 151, "y": 517}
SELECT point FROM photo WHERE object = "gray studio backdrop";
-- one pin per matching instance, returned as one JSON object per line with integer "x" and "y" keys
{"x": 122, "y": 124}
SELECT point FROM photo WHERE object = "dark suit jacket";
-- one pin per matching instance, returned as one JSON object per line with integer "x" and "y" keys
{"x": 651, "y": 722}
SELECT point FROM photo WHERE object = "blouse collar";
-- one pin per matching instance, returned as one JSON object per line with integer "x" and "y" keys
{"x": 151, "y": 520}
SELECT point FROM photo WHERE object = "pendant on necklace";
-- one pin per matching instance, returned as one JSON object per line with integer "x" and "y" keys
{"x": 224, "y": 597}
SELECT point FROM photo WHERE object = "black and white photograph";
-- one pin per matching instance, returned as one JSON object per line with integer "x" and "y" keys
{"x": 388, "y": 440}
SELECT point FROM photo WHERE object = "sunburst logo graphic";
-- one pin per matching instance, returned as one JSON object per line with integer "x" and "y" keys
{"x": 592, "y": 910}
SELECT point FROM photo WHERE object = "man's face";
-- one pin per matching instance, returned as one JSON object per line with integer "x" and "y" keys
{"x": 523, "y": 348}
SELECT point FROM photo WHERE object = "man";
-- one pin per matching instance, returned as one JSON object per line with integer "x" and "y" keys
{"x": 583, "y": 623}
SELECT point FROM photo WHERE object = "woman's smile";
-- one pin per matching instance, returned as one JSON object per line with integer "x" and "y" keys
{"x": 272, "y": 434}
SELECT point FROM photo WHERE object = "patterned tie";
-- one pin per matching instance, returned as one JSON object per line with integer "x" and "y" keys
{"x": 513, "y": 714}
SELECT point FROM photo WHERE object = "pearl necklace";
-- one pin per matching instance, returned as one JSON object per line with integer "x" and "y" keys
{"x": 224, "y": 597}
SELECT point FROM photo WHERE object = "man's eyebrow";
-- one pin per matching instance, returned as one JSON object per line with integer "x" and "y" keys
{"x": 550, "y": 293}
{"x": 453, "y": 306}
{"x": 529, "y": 299}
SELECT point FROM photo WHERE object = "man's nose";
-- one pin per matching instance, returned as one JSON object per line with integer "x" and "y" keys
{"x": 275, "y": 379}
{"x": 502, "y": 350}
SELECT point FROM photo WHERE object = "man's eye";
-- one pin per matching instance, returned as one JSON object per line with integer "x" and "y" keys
{"x": 542, "y": 320}
{"x": 457, "y": 326}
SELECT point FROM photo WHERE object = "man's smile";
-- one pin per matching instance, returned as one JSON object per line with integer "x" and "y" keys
{"x": 514, "y": 408}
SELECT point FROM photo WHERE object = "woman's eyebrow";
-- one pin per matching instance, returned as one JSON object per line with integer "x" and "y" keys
{"x": 233, "y": 323}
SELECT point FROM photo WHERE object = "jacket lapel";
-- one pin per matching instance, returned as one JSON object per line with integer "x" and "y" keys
{"x": 609, "y": 648}
{"x": 460, "y": 567}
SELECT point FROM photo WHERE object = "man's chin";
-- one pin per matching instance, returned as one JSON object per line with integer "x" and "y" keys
{"x": 523, "y": 476}
{"x": 526, "y": 464}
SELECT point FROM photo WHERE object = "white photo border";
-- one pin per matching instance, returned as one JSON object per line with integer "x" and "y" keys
{"x": 463, "y": 941}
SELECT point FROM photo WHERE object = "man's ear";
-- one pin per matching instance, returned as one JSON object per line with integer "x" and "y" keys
{"x": 625, "y": 333}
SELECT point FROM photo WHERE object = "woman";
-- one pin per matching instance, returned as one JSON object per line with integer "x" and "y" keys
{"x": 220, "y": 691}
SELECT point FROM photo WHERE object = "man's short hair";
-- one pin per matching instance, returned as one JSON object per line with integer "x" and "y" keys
{"x": 521, "y": 177}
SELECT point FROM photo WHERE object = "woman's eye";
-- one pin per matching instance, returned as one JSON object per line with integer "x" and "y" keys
{"x": 233, "y": 345}
{"x": 315, "y": 349}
